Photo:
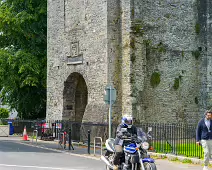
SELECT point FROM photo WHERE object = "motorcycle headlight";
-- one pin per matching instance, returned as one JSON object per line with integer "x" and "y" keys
{"x": 145, "y": 145}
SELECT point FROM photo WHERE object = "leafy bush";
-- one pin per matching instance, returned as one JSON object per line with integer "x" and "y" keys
{"x": 4, "y": 113}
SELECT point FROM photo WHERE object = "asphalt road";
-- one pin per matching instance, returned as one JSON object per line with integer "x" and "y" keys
{"x": 15, "y": 156}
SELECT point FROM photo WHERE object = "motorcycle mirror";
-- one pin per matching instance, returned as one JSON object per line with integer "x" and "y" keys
{"x": 149, "y": 129}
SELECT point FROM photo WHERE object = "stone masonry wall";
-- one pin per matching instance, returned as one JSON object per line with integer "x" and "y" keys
{"x": 209, "y": 51}
{"x": 114, "y": 54}
{"x": 84, "y": 22}
{"x": 157, "y": 53}
{"x": 172, "y": 60}
{"x": 126, "y": 18}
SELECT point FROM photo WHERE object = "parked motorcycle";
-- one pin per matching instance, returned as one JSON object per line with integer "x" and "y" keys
{"x": 134, "y": 155}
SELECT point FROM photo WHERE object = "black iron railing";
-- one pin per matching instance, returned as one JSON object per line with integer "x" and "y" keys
{"x": 178, "y": 139}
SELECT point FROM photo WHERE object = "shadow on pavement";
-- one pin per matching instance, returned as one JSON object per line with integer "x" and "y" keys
{"x": 14, "y": 146}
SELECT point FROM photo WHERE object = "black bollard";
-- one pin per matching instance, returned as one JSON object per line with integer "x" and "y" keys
{"x": 89, "y": 141}
{"x": 69, "y": 140}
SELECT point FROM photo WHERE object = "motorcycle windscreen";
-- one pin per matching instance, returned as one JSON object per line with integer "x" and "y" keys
{"x": 141, "y": 134}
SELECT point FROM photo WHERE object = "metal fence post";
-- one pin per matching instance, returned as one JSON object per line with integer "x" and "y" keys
{"x": 89, "y": 141}
{"x": 69, "y": 140}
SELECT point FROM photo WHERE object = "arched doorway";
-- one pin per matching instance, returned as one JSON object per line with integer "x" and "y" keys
{"x": 75, "y": 98}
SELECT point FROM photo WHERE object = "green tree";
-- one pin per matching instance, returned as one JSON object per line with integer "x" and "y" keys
{"x": 4, "y": 113}
{"x": 23, "y": 46}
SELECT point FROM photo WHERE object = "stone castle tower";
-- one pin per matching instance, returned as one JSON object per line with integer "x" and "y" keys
{"x": 157, "y": 53}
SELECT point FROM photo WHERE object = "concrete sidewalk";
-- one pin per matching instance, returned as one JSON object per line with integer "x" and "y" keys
{"x": 78, "y": 148}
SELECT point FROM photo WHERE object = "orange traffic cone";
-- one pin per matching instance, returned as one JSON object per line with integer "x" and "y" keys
{"x": 25, "y": 136}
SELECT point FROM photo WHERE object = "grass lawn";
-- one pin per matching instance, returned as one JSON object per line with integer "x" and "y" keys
{"x": 189, "y": 149}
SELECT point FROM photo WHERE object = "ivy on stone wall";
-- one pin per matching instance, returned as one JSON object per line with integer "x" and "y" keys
{"x": 155, "y": 79}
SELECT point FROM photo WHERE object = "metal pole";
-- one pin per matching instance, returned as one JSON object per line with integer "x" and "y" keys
{"x": 70, "y": 142}
{"x": 36, "y": 137}
{"x": 64, "y": 144}
{"x": 110, "y": 112}
{"x": 89, "y": 141}
{"x": 58, "y": 139}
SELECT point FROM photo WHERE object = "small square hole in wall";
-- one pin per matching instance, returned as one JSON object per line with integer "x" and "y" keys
{"x": 69, "y": 107}
{"x": 200, "y": 48}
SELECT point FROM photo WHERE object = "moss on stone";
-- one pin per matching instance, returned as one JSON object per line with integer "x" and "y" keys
{"x": 197, "y": 28}
{"x": 147, "y": 42}
{"x": 137, "y": 27}
{"x": 133, "y": 57}
{"x": 132, "y": 78}
{"x": 196, "y": 100}
{"x": 196, "y": 54}
{"x": 176, "y": 83}
{"x": 161, "y": 47}
{"x": 117, "y": 71}
{"x": 116, "y": 20}
{"x": 133, "y": 11}
{"x": 133, "y": 93}
{"x": 183, "y": 53}
{"x": 132, "y": 43}
{"x": 155, "y": 79}
{"x": 167, "y": 15}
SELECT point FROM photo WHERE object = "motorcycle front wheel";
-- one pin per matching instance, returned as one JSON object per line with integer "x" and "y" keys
{"x": 149, "y": 166}
{"x": 108, "y": 168}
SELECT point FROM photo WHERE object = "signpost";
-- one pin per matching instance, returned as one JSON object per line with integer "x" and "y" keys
{"x": 110, "y": 98}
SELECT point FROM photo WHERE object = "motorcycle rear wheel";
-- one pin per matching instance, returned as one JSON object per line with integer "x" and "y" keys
{"x": 150, "y": 166}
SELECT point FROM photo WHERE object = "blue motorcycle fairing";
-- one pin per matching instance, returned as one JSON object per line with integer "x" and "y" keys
{"x": 130, "y": 150}
{"x": 132, "y": 145}
{"x": 150, "y": 160}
